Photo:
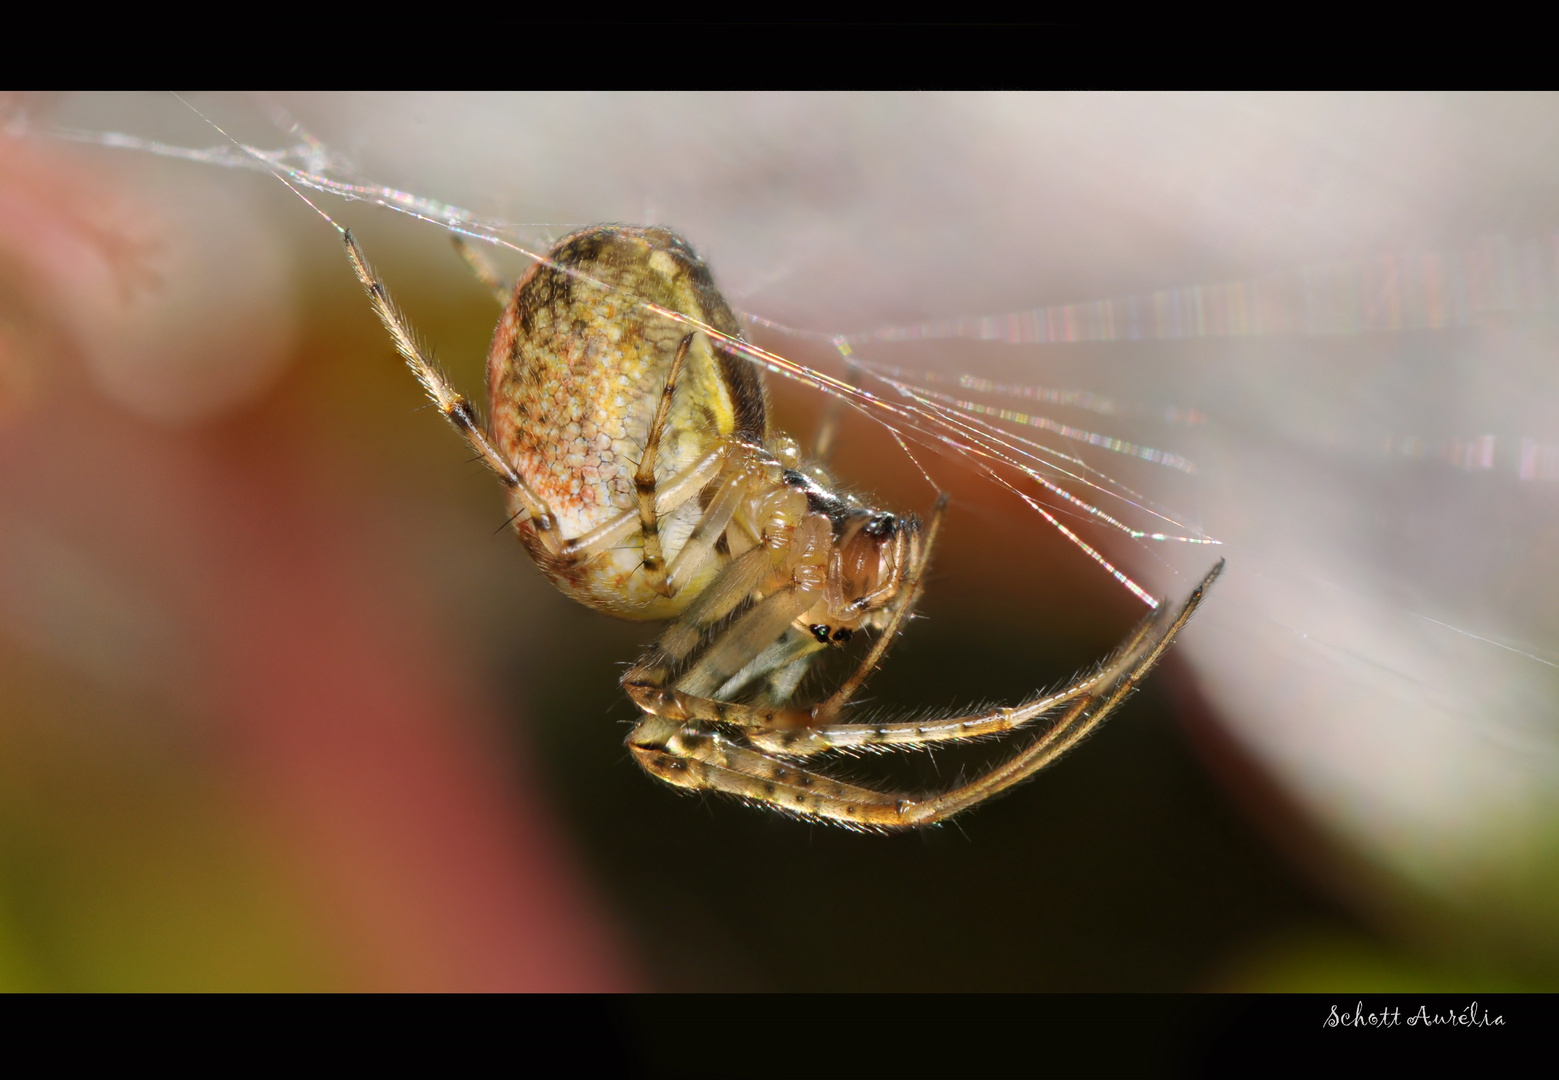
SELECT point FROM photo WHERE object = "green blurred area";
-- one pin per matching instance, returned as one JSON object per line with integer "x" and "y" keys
{"x": 132, "y": 856}
{"x": 127, "y": 860}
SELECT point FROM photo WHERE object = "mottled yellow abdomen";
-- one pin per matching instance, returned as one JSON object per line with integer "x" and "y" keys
{"x": 575, "y": 373}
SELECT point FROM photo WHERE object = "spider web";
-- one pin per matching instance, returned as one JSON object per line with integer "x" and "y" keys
{"x": 1010, "y": 432}
{"x": 1051, "y": 479}
{"x": 1381, "y": 474}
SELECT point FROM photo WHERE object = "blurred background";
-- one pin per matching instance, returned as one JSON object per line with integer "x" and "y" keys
{"x": 283, "y": 706}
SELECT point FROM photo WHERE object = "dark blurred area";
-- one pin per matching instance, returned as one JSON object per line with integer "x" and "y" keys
{"x": 284, "y": 706}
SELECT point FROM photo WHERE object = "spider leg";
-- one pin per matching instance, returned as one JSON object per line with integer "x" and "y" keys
{"x": 485, "y": 271}
{"x": 711, "y": 526}
{"x": 668, "y": 497}
{"x": 694, "y": 757}
{"x": 688, "y": 753}
{"x": 754, "y": 644}
{"x": 828, "y": 426}
{"x": 1089, "y": 711}
{"x": 644, "y": 477}
{"x": 793, "y": 731}
{"x": 734, "y": 584}
{"x": 693, "y": 695}
{"x": 912, "y": 734}
{"x": 454, "y": 405}
{"x": 777, "y": 671}
{"x": 765, "y": 622}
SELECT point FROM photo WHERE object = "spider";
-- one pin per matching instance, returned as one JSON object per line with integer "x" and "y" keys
{"x": 646, "y": 482}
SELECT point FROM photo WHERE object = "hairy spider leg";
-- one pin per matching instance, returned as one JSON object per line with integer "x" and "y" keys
{"x": 453, "y": 404}
{"x": 644, "y": 476}
{"x": 484, "y": 270}
{"x": 670, "y": 496}
{"x": 458, "y": 411}
{"x": 788, "y": 731}
{"x": 690, "y": 754}
{"x": 828, "y": 427}
{"x": 1090, "y": 711}
{"x": 754, "y": 632}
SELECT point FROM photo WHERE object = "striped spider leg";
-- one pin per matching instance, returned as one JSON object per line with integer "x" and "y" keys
{"x": 647, "y": 483}
{"x": 457, "y": 409}
{"x": 760, "y": 753}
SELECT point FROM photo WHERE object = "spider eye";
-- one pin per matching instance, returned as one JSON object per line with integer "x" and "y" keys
{"x": 881, "y": 526}
{"x": 820, "y": 632}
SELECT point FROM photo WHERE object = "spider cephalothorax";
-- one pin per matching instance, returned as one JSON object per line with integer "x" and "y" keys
{"x": 646, "y": 482}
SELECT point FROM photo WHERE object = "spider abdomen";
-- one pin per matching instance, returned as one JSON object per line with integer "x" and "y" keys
{"x": 575, "y": 372}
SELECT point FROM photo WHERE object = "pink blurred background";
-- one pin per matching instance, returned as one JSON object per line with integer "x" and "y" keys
{"x": 278, "y": 709}
{"x": 235, "y": 756}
